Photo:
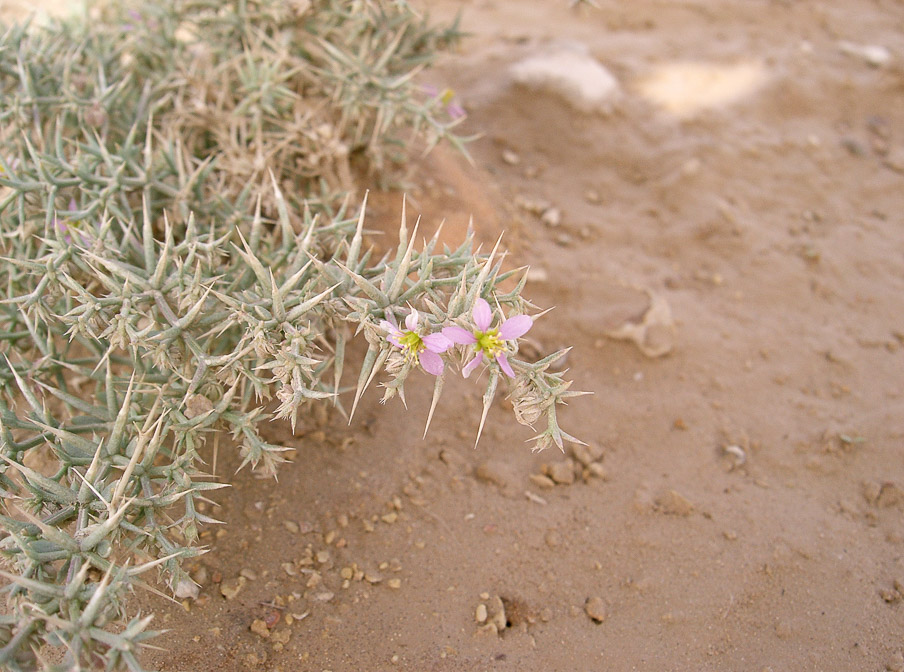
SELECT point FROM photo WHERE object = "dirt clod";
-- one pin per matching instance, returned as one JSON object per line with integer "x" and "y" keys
{"x": 259, "y": 628}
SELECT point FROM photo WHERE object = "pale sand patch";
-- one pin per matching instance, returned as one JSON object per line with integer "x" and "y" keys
{"x": 20, "y": 10}
{"x": 685, "y": 89}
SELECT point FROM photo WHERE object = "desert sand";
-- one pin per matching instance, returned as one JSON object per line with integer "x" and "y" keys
{"x": 722, "y": 238}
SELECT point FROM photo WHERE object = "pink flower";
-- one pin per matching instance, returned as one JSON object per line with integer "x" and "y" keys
{"x": 489, "y": 343}
{"x": 415, "y": 347}
{"x": 446, "y": 98}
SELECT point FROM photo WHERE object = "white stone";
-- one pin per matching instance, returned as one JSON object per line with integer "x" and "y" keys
{"x": 874, "y": 54}
{"x": 570, "y": 73}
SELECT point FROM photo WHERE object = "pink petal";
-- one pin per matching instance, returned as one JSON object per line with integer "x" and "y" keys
{"x": 394, "y": 340}
{"x": 390, "y": 328}
{"x": 515, "y": 327}
{"x": 392, "y": 320}
{"x": 436, "y": 342}
{"x": 483, "y": 315}
{"x": 459, "y": 335}
{"x": 502, "y": 360}
{"x": 411, "y": 320}
{"x": 470, "y": 366}
{"x": 431, "y": 362}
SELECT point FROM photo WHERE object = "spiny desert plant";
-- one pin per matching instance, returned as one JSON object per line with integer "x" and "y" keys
{"x": 175, "y": 254}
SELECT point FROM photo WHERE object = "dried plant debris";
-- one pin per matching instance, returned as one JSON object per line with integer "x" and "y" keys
{"x": 177, "y": 252}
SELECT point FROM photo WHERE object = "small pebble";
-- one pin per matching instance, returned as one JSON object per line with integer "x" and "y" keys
{"x": 390, "y": 518}
{"x": 481, "y": 614}
{"x": 395, "y": 584}
{"x": 290, "y": 525}
{"x": 561, "y": 472}
{"x": 552, "y": 217}
{"x": 249, "y": 574}
{"x": 542, "y": 482}
{"x": 510, "y": 157}
{"x": 596, "y": 609}
{"x": 592, "y": 196}
{"x": 186, "y": 589}
{"x": 587, "y": 454}
{"x": 497, "y": 613}
{"x": 537, "y": 274}
{"x": 598, "y": 471}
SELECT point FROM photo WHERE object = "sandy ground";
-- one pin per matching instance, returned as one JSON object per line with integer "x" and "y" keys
{"x": 743, "y": 504}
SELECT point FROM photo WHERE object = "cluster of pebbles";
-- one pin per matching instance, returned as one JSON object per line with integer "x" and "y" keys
{"x": 585, "y": 463}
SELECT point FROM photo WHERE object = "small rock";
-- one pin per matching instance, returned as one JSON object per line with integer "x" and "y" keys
{"x": 890, "y": 596}
{"x": 395, "y": 584}
{"x": 674, "y": 504}
{"x": 323, "y": 557}
{"x": 561, "y": 472}
{"x": 596, "y": 609}
{"x": 325, "y": 596}
{"x": 372, "y": 576}
{"x": 552, "y": 539}
{"x": 874, "y": 55}
{"x": 346, "y": 573}
{"x": 229, "y": 589}
{"x": 249, "y": 574}
{"x": 291, "y": 526}
{"x": 896, "y": 663}
{"x": 390, "y": 518}
{"x": 535, "y": 206}
{"x": 592, "y": 196}
{"x": 597, "y": 470}
{"x": 488, "y": 630}
{"x": 552, "y": 217}
{"x": 481, "y": 614}
{"x": 587, "y": 454}
{"x": 186, "y": 589}
{"x": 510, "y": 157}
{"x": 497, "y": 613}
{"x": 537, "y": 274}
{"x": 542, "y": 482}
{"x": 272, "y": 618}
{"x": 259, "y": 628}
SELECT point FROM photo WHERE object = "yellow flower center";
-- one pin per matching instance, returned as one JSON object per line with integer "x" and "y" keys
{"x": 411, "y": 344}
{"x": 489, "y": 342}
